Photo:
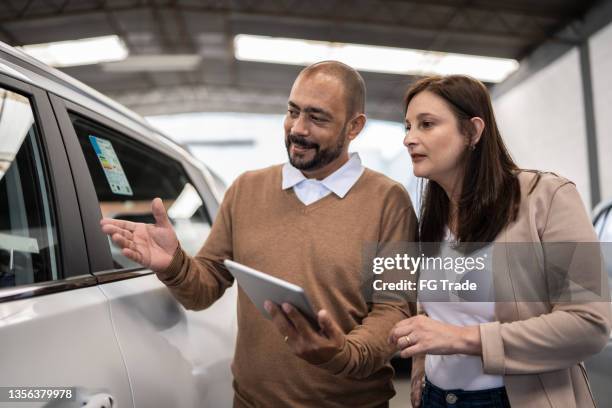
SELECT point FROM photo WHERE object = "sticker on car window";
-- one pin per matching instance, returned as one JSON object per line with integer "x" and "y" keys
{"x": 109, "y": 161}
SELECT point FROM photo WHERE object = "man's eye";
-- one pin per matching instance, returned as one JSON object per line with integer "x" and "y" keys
{"x": 317, "y": 118}
{"x": 293, "y": 113}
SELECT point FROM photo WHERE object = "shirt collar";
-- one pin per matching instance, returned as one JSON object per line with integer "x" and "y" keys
{"x": 339, "y": 182}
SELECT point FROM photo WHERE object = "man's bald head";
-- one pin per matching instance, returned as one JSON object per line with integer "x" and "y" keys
{"x": 353, "y": 83}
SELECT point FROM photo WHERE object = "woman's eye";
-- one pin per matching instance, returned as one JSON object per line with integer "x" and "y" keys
{"x": 407, "y": 128}
{"x": 426, "y": 124}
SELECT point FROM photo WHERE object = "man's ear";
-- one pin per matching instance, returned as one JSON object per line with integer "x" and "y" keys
{"x": 356, "y": 125}
{"x": 479, "y": 126}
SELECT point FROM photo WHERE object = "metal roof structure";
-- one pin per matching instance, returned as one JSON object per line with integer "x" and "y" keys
{"x": 219, "y": 82}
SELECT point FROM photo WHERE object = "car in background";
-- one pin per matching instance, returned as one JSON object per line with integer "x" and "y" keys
{"x": 74, "y": 312}
{"x": 599, "y": 367}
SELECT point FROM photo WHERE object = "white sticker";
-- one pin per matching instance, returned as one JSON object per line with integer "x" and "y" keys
{"x": 109, "y": 161}
{"x": 10, "y": 242}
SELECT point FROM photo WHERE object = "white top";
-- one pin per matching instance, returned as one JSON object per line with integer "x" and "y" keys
{"x": 339, "y": 182}
{"x": 460, "y": 371}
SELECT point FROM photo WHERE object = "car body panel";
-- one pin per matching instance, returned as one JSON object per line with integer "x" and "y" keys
{"x": 599, "y": 366}
{"x": 65, "y": 340}
{"x": 175, "y": 358}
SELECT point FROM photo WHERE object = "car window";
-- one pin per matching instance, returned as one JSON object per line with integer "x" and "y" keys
{"x": 603, "y": 227}
{"x": 600, "y": 221}
{"x": 28, "y": 241}
{"x": 127, "y": 175}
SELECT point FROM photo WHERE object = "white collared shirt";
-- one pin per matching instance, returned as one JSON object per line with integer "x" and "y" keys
{"x": 339, "y": 182}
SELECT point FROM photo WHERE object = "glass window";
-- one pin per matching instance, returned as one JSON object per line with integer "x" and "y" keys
{"x": 128, "y": 175}
{"x": 605, "y": 231}
{"x": 603, "y": 227}
{"x": 28, "y": 243}
{"x": 601, "y": 219}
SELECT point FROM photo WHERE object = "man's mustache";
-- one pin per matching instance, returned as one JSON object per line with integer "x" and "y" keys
{"x": 302, "y": 142}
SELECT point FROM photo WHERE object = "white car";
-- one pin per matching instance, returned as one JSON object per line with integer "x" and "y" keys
{"x": 599, "y": 367}
{"x": 75, "y": 314}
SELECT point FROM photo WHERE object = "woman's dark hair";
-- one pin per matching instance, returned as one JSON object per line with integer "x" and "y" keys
{"x": 490, "y": 194}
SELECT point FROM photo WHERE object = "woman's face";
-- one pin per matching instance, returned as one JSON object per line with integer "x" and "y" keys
{"x": 433, "y": 139}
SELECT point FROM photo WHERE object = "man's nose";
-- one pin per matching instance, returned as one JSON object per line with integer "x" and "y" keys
{"x": 300, "y": 125}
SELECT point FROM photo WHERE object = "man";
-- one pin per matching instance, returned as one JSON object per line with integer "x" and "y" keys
{"x": 306, "y": 222}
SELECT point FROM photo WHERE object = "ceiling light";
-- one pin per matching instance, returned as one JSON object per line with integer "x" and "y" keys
{"x": 79, "y": 52}
{"x": 371, "y": 58}
{"x": 155, "y": 63}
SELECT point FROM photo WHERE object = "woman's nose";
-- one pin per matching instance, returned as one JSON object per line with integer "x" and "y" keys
{"x": 409, "y": 140}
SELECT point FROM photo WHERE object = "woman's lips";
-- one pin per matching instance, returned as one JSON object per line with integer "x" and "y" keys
{"x": 417, "y": 157}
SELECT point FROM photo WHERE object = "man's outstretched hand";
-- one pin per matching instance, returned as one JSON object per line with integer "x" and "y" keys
{"x": 151, "y": 245}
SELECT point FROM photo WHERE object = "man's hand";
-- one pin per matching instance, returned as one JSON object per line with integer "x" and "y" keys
{"x": 423, "y": 335}
{"x": 316, "y": 347}
{"x": 151, "y": 245}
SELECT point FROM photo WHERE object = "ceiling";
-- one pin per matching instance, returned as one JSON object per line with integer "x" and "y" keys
{"x": 510, "y": 28}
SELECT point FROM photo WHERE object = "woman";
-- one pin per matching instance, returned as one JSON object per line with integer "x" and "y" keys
{"x": 515, "y": 351}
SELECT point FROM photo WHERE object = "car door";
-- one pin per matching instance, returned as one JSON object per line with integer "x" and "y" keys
{"x": 55, "y": 325}
{"x": 599, "y": 366}
{"x": 174, "y": 357}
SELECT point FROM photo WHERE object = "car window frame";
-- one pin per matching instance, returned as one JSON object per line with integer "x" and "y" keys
{"x": 602, "y": 216}
{"x": 72, "y": 264}
{"x": 101, "y": 262}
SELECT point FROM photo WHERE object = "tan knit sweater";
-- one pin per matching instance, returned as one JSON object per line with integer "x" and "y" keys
{"x": 318, "y": 247}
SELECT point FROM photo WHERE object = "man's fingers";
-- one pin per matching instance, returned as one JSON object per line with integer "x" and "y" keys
{"x": 302, "y": 326}
{"x": 123, "y": 242}
{"x": 110, "y": 229}
{"x": 329, "y": 327}
{"x": 128, "y": 225}
{"x": 133, "y": 255}
{"x": 159, "y": 213}
{"x": 284, "y": 326}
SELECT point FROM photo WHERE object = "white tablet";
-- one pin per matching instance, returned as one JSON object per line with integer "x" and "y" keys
{"x": 261, "y": 287}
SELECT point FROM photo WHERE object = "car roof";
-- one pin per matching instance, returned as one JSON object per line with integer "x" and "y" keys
{"x": 19, "y": 65}
{"x": 28, "y": 69}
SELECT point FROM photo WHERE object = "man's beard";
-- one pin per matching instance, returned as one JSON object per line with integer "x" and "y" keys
{"x": 321, "y": 158}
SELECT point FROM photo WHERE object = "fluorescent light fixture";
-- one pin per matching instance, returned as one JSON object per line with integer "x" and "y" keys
{"x": 155, "y": 63}
{"x": 371, "y": 58}
{"x": 79, "y": 52}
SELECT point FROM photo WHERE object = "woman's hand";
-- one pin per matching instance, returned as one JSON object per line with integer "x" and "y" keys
{"x": 417, "y": 381}
{"x": 423, "y": 335}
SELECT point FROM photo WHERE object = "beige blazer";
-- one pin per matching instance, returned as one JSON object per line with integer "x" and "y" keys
{"x": 538, "y": 344}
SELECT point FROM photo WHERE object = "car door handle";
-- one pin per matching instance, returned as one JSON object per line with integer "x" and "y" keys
{"x": 84, "y": 399}
{"x": 99, "y": 401}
